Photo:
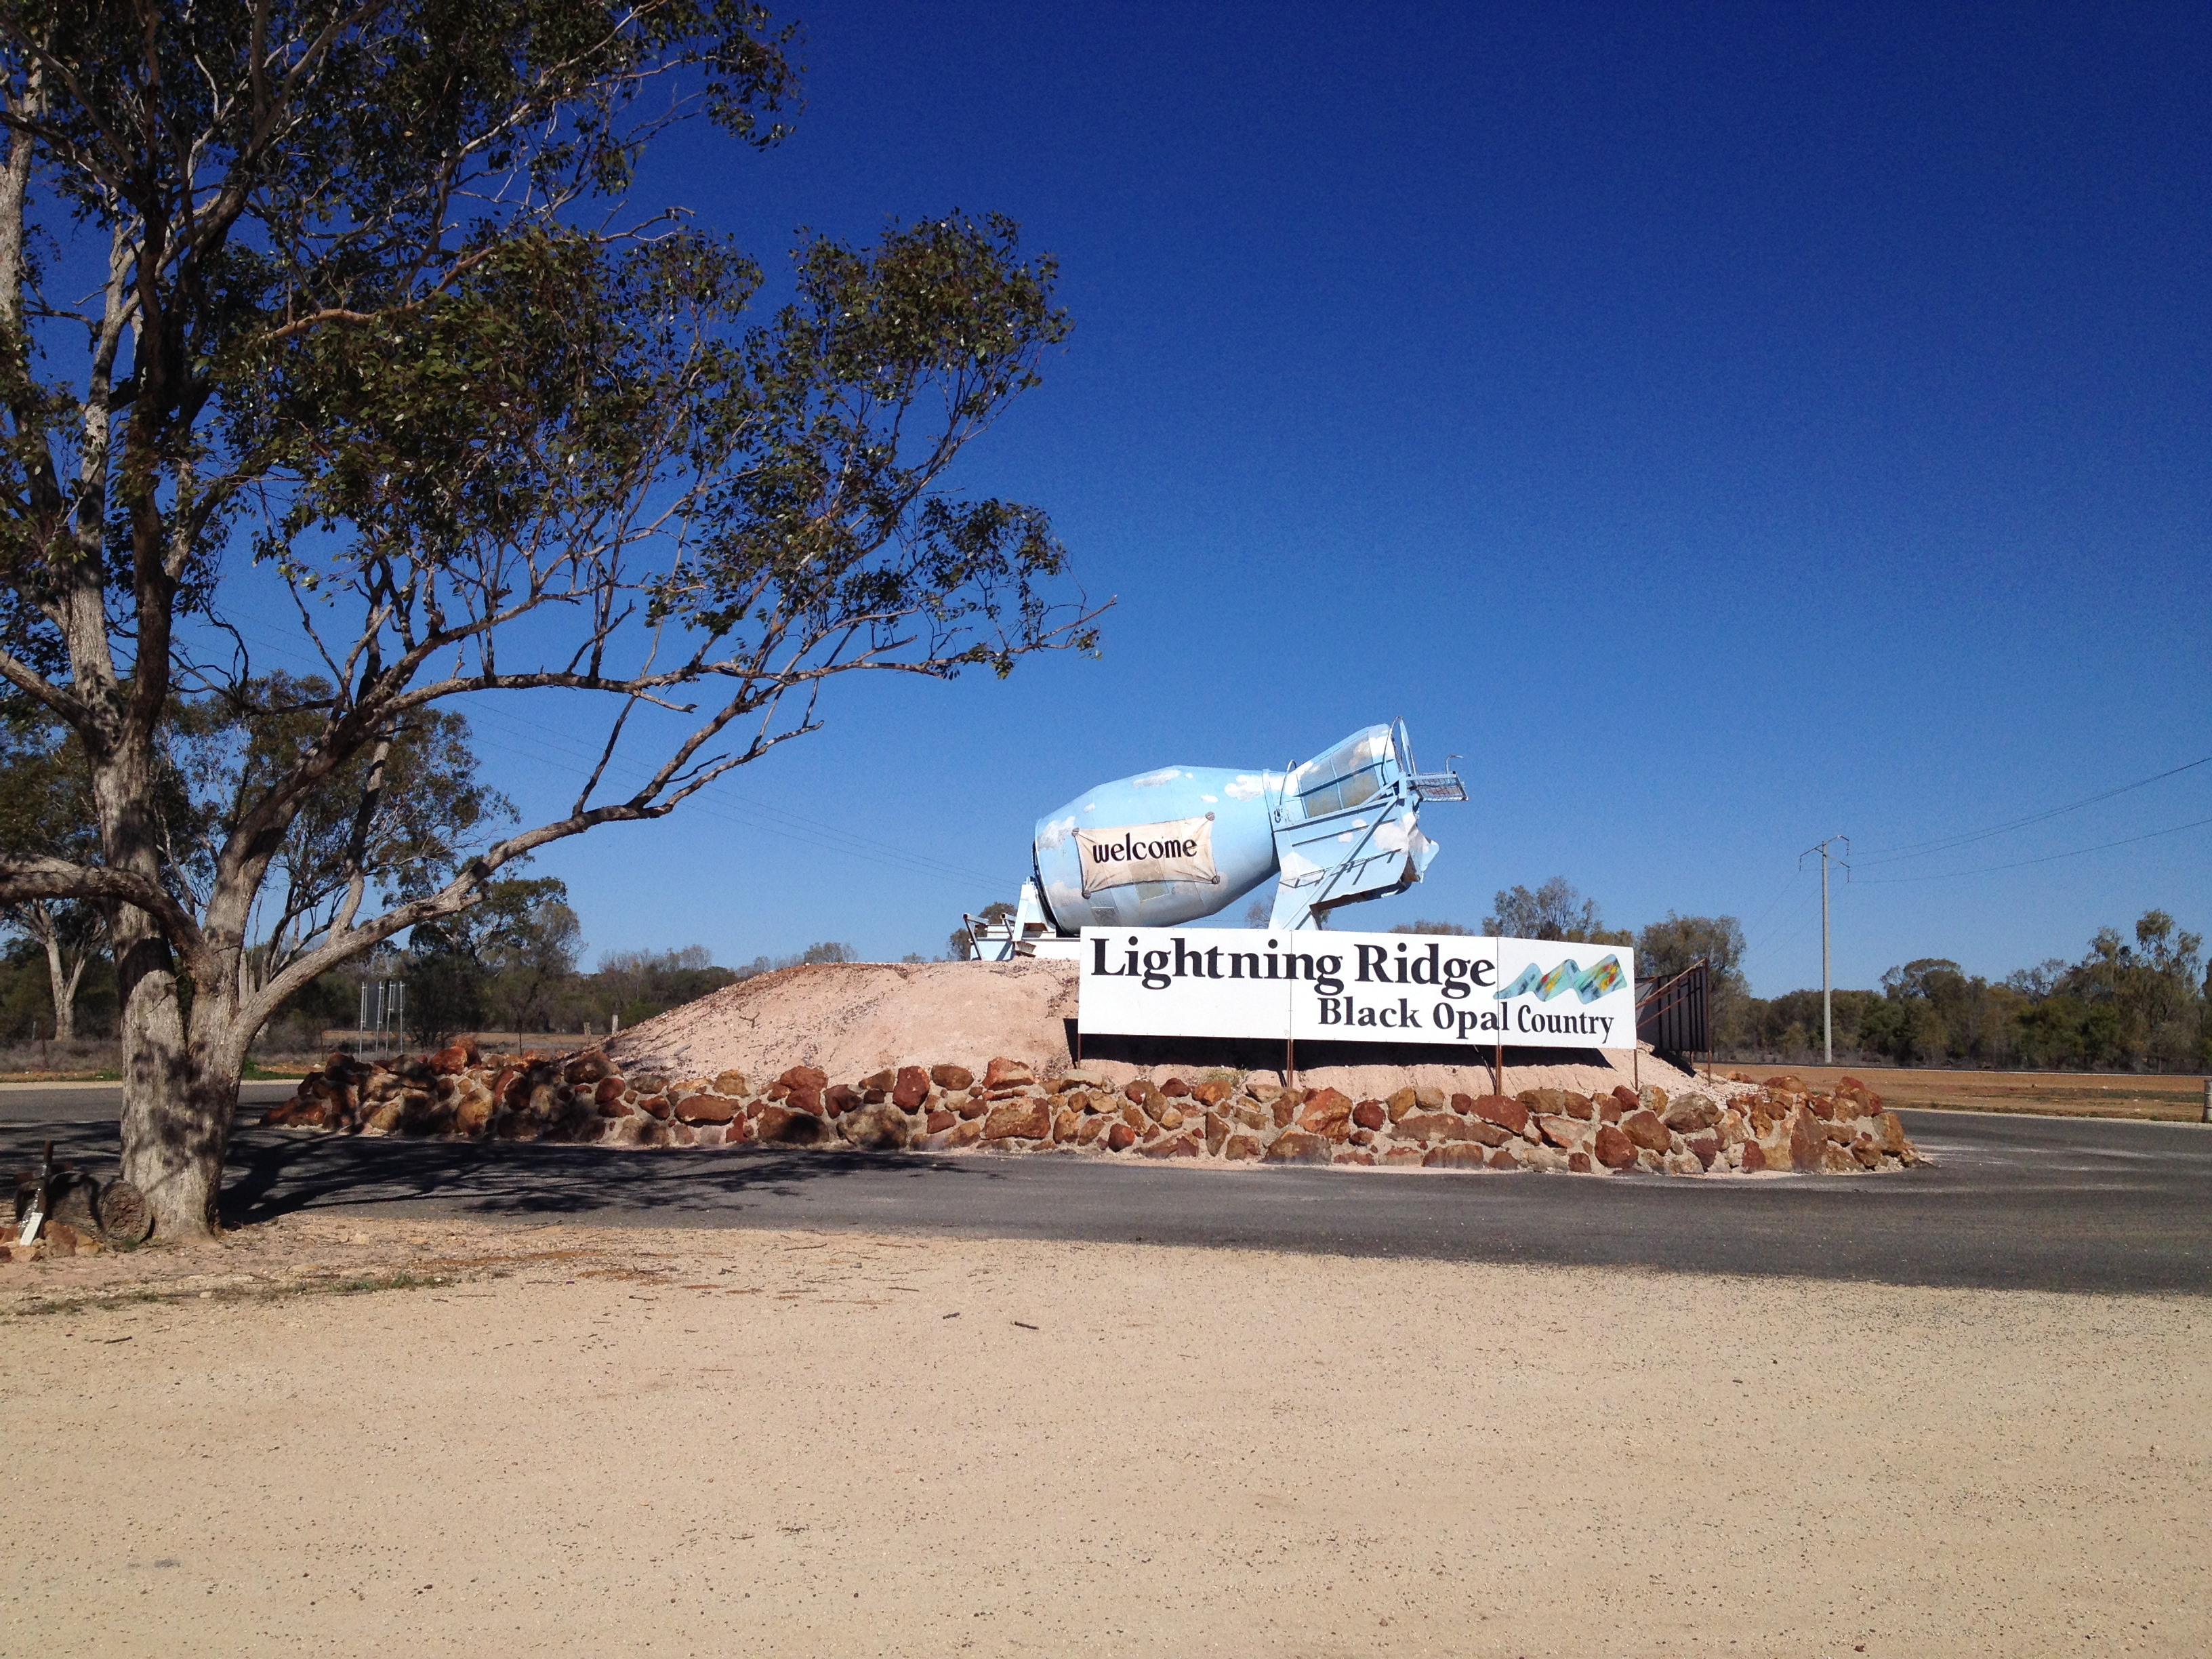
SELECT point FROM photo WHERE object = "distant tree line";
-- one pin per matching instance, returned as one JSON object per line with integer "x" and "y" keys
{"x": 2122, "y": 1006}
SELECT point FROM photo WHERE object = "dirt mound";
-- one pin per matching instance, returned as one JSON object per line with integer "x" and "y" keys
{"x": 851, "y": 1018}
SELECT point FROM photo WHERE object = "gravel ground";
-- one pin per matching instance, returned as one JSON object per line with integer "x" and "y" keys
{"x": 560, "y": 1439}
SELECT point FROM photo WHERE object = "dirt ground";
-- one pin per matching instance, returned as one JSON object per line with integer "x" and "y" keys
{"x": 574, "y": 1441}
{"x": 2051, "y": 1094}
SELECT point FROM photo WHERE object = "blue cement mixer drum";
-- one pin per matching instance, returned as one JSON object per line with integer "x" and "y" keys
{"x": 1188, "y": 841}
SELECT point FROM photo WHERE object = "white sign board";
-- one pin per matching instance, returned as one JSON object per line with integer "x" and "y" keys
{"x": 1406, "y": 987}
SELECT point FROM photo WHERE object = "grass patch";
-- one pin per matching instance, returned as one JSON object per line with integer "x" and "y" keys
{"x": 252, "y": 1073}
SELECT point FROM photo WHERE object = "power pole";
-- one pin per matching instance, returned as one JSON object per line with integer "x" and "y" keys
{"x": 1827, "y": 992}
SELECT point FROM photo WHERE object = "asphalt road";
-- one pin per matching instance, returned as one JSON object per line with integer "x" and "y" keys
{"x": 2013, "y": 1203}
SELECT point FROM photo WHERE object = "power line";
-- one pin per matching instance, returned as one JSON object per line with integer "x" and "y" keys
{"x": 2050, "y": 858}
{"x": 1788, "y": 930}
{"x": 1752, "y": 928}
{"x": 1923, "y": 849}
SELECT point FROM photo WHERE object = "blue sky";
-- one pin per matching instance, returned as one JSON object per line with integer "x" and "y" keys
{"x": 1725, "y": 427}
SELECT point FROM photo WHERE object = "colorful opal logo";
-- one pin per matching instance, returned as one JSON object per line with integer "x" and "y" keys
{"x": 1587, "y": 983}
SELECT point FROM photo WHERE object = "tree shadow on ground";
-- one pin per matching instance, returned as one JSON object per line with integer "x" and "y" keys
{"x": 93, "y": 1145}
{"x": 275, "y": 1172}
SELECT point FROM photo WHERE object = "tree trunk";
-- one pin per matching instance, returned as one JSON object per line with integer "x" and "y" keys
{"x": 61, "y": 982}
{"x": 179, "y": 1079}
{"x": 179, "y": 1098}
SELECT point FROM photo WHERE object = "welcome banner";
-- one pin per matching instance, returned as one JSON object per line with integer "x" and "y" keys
{"x": 1419, "y": 987}
{"x": 1179, "y": 851}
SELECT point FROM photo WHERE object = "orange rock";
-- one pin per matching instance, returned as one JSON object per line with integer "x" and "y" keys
{"x": 1300, "y": 1147}
{"x": 706, "y": 1108}
{"x": 1029, "y": 1119}
{"x": 1503, "y": 1110}
{"x": 1808, "y": 1142}
{"x": 1326, "y": 1112}
{"x": 1003, "y": 1072}
{"x": 1614, "y": 1149}
{"x": 1563, "y": 1132}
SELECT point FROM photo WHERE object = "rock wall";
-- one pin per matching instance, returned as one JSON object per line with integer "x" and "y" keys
{"x": 583, "y": 1098}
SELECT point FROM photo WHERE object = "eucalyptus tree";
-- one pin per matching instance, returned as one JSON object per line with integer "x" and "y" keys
{"x": 373, "y": 323}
